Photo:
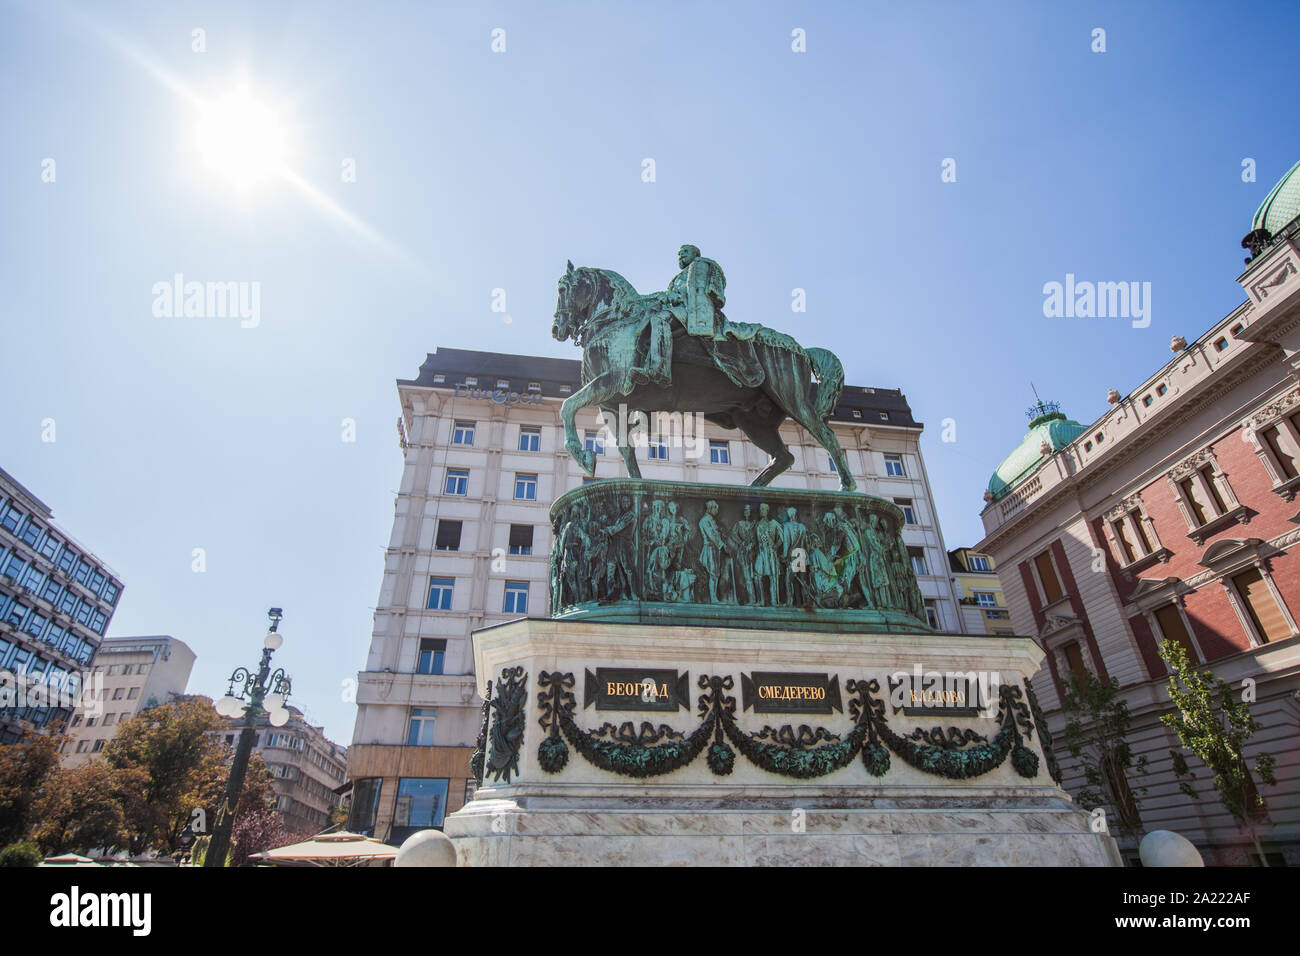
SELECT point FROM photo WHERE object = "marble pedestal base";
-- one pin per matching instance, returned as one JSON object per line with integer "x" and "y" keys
{"x": 873, "y": 807}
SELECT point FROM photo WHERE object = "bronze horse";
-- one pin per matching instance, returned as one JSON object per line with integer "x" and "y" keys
{"x": 603, "y": 313}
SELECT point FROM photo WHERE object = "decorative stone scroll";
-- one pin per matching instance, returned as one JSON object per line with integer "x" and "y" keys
{"x": 631, "y": 549}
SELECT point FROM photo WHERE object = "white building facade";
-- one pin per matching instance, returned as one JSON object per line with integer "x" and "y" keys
{"x": 484, "y": 460}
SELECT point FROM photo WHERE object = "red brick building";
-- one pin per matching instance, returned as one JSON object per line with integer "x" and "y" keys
{"x": 1175, "y": 515}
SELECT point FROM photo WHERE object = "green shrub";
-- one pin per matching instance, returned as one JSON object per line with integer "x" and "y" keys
{"x": 21, "y": 854}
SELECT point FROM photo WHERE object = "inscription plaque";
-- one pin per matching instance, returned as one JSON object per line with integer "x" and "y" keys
{"x": 775, "y": 692}
{"x": 636, "y": 688}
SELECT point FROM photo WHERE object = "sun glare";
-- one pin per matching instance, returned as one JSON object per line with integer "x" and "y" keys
{"x": 241, "y": 139}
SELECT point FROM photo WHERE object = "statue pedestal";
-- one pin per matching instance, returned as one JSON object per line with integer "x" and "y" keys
{"x": 641, "y": 744}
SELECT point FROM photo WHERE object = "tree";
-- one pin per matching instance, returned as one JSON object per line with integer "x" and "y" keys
{"x": 255, "y": 832}
{"x": 1214, "y": 723}
{"x": 24, "y": 766}
{"x": 84, "y": 807}
{"x": 1096, "y": 734}
{"x": 179, "y": 747}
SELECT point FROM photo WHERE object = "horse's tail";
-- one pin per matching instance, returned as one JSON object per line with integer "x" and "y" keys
{"x": 830, "y": 381}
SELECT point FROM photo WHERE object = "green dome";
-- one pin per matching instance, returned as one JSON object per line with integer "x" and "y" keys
{"x": 1281, "y": 205}
{"x": 1053, "y": 428}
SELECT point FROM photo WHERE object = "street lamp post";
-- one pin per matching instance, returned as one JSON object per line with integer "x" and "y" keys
{"x": 263, "y": 693}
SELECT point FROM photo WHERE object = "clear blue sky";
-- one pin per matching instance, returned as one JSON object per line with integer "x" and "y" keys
{"x": 479, "y": 170}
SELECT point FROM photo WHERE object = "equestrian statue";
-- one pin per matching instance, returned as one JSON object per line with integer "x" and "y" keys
{"x": 675, "y": 351}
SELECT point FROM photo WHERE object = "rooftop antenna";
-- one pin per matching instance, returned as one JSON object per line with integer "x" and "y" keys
{"x": 1040, "y": 408}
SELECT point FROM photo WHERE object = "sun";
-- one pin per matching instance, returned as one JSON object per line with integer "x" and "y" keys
{"x": 240, "y": 138}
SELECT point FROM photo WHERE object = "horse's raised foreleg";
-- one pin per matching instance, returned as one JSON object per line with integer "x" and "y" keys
{"x": 593, "y": 393}
{"x": 625, "y": 447}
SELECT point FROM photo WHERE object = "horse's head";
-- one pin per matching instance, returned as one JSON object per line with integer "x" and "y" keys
{"x": 577, "y": 292}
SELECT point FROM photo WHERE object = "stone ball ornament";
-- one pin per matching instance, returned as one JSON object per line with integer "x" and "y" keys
{"x": 426, "y": 848}
{"x": 1167, "y": 848}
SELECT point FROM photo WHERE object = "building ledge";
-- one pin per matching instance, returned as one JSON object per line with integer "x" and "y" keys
{"x": 1288, "y": 488}
{"x": 1160, "y": 555}
{"x": 1238, "y": 514}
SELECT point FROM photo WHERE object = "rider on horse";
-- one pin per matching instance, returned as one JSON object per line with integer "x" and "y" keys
{"x": 695, "y": 299}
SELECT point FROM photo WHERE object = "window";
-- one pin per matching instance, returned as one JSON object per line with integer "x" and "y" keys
{"x": 931, "y": 614}
{"x": 12, "y": 519}
{"x": 917, "y": 556}
{"x": 1074, "y": 658}
{"x": 440, "y": 593}
{"x": 14, "y": 566}
{"x": 50, "y": 546}
{"x": 830, "y": 465}
{"x": 83, "y": 746}
{"x": 1202, "y": 493}
{"x": 463, "y": 433}
{"x": 76, "y": 721}
{"x": 51, "y": 591}
{"x": 516, "y": 597}
{"x": 109, "y": 719}
{"x": 894, "y": 466}
{"x": 457, "y": 482}
{"x": 421, "y": 804}
{"x": 526, "y": 487}
{"x": 439, "y": 378}
{"x": 1220, "y": 344}
{"x": 471, "y": 380}
{"x": 1047, "y": 578}
{"x": 979, "y": 562}
{"x": 594, "y": 442}
{"x": 657, "y": 448}
{"x": 884, "y": 416}
{"x": 82, "y": 573}
{"x": 985, "y": 599}
{"x": 1260, "y": 606}
{"x": 530, "y": 439}
{"x": 534, "y": 387}
{"x": 32, "y": 532}
{"x": 97, "y": 621}
{"x": 1147, "y": 400}
{"x": 720, "y": 453}
{"x": 67, "y": 558}
{"x": 1173, "y": 628}
{"x": 365, "y": 805}
{"x": 117, "y": 693}
{"x": 503, "y": 384}
{"x": 111, "y": 592}
{"x": 421, "y": 732}
{"x": 909, "y": 514}
{"x": 433, "y": 651}
{"x": 521, "y": 539}
{"x": 133, "y": 693}
{"x": 448, "y": 536}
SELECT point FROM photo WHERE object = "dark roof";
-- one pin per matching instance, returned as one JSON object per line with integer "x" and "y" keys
{"x": 553, "y": 374}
